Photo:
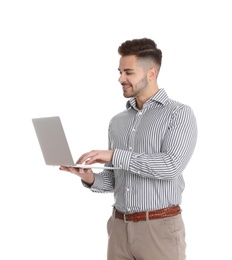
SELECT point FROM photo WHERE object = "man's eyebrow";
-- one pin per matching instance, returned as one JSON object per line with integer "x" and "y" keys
{"x": 126, "y": 70}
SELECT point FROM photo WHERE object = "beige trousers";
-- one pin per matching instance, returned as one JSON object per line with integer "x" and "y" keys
{"x": 157, "y": 239}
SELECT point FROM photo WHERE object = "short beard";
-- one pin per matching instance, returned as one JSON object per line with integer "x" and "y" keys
{"x": 142, "y": 84}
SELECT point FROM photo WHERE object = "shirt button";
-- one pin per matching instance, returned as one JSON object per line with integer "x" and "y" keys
{"x": 130, "y": 148}
{"x": 127, "y": 189}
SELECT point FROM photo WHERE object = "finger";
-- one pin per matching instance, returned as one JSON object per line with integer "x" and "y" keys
{"x": 93, "y": 159}
{"x": 64, "y": 168}
{"x": 89, "y": 170}
{"x": 81, "y": 171}
{"x": 73, "y": 169}
{"x": 82, "y": 159}
{"x": 85, "y": 157}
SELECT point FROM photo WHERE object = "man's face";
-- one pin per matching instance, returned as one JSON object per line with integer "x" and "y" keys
{"x": 133, "y": 78}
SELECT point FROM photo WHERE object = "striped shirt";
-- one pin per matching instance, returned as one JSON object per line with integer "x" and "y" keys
{"x": 152, "y": 147}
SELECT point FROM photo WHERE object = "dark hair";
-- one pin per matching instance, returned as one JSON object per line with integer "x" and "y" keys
{"x": 141, "y": 48}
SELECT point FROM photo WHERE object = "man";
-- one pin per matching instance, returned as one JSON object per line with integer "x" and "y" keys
{"x": 151, "y": 143}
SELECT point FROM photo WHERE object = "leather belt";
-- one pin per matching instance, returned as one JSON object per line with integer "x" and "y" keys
{"x": 147, "y": 215}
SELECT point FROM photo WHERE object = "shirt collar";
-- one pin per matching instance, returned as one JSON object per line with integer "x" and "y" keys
{"x": 160, "y": 97}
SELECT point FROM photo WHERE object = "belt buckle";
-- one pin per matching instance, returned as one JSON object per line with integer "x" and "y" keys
{"x": 124, "y": 218}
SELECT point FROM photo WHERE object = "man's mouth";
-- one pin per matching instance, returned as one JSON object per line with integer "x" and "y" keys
{"x": 125, "y": 86}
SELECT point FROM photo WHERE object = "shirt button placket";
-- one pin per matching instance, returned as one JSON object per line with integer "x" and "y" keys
{"x": 132, "y": 136}
{"x": 130, "y": 147}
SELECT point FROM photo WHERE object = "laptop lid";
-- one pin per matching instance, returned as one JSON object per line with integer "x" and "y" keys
{"x": 54, "y": 145}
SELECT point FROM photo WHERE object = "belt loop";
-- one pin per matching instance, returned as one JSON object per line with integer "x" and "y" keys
{"x": 147, "y": 215}
{"x": 114, "y": 212}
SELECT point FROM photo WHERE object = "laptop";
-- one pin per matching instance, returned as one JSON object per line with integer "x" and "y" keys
{"x": 54, "y": 145}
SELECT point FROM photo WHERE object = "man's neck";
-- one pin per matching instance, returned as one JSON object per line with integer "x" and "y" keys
{"x": 140, "y": 100}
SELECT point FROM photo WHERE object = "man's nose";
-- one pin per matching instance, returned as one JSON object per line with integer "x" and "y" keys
{"x": 122, "y": 78}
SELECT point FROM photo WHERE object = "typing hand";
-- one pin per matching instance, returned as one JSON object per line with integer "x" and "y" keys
{"x": 96, "y": 156}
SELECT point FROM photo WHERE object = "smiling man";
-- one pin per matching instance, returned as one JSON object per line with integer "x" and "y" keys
{"x": 151, "y": 142}
{"x": 137, "y": 78}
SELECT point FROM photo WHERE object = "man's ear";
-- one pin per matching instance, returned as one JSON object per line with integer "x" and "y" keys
{"x": 152, "y": 73}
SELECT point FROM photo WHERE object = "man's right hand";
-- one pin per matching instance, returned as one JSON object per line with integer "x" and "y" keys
{"x": 86, "y": 175}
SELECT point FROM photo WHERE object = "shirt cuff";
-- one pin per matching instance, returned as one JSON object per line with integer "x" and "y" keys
{"x": 122, "y": 159}
{"x": 98, "y": 183}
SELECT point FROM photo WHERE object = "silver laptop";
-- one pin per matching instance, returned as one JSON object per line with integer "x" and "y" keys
{"x": 54, "y": 145}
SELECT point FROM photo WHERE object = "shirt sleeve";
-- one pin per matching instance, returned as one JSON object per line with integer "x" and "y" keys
{"x": 103, "y": 182}
{"x": 176, "y": 149}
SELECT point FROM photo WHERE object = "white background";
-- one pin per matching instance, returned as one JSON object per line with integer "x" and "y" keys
{"x": 60, "y": 58}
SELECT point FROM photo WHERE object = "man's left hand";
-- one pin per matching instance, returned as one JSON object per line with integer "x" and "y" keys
{"x": 96, "y": 156}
